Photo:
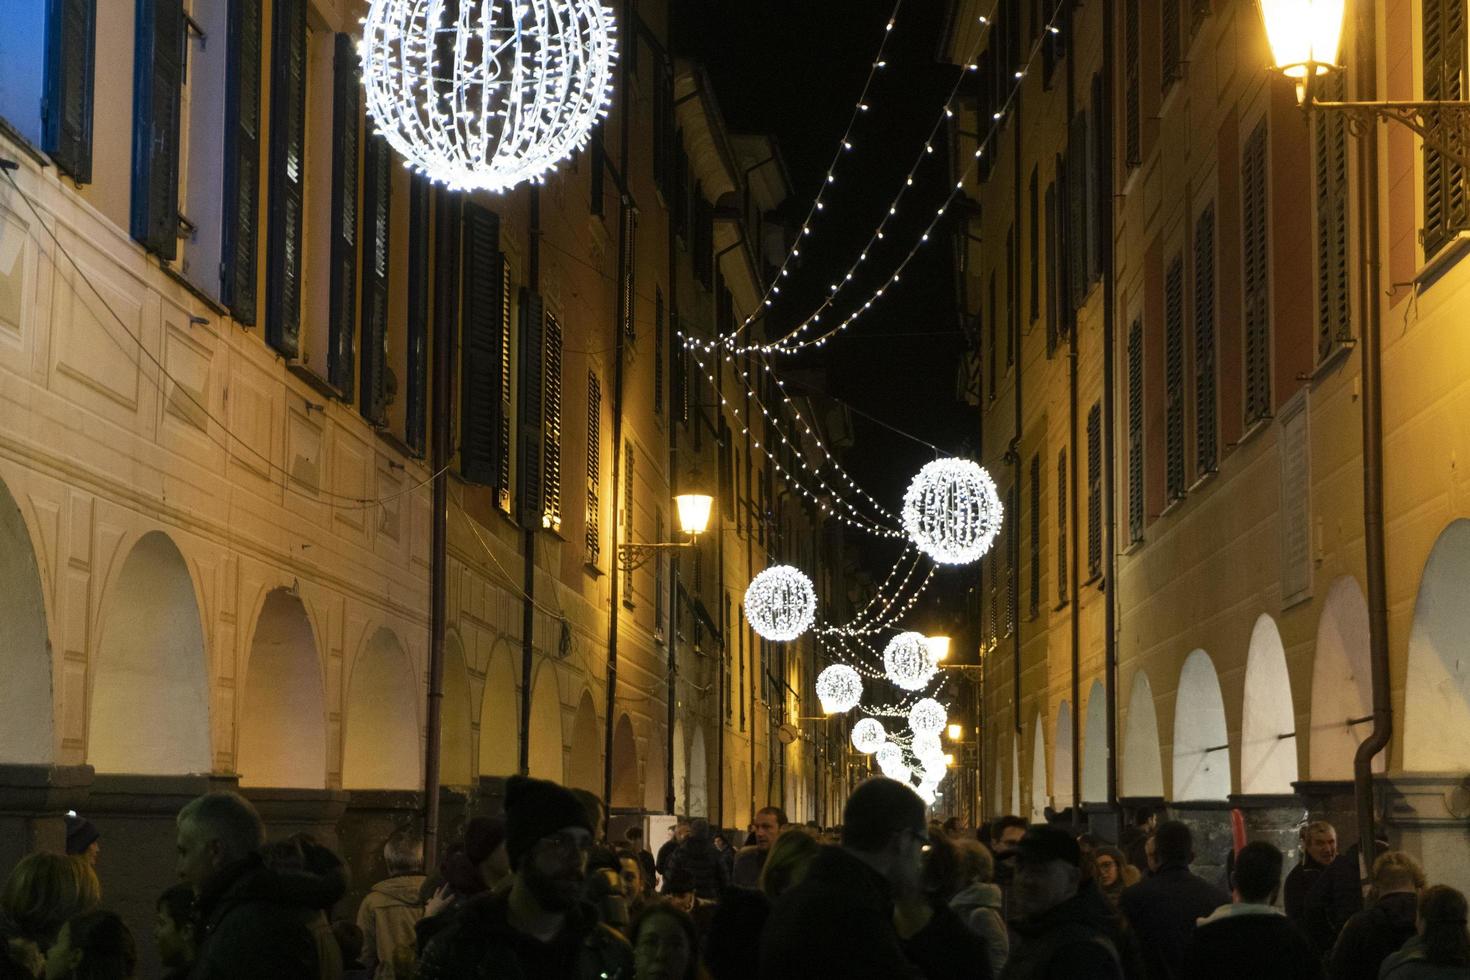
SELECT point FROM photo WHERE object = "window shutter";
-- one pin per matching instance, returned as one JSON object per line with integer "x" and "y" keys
{"x": 1135, "y": 431}
{"x": 1206, "y": 428}
{"x": 1330, "y": 151}
{"x": 627, "y": 582}
{"x": 376, "y": 207}
{"x": 593, "y": 540}
{"x": 416, "y": 411}
{"x": 1446, "y": 207}
{"x": 1062, "y": 527}
{"x": 993, "y": 353}
{"x": 1053, "y": 46}
{"x": 158, "y": 77}
{"x": 551, "y": 425}
{"x": 1035, "y": 604}
{"x": 346, "y": 120}
{"x": 66, "y": 110}
{"x": 1174, "y": 377}
{"x": 532, "y": 394}
{"x": 1052, "y": 244}
{"x": 1198, "y": 11}
{"x": 504, "y": 442}
{"x": 1094, "y": 491}
{"x": 1169, "y": 42}
{"x": 1257, "y": 277}
{"x": 1132, "y": 125}
{"x": 1077, "y": 209}
{"x": 663, "y": 124}
{"x": 287, "y": 176}
{"x": 680, "y": 394}
{"x": 1011, "y": 298}
{"x": 448, "y": 245}
{"x": 658, "y": 351}
{"x": 1034, "y": 245}
{"x": 1099, "y": 194}
{"x": 1013, "y": 559}
{"x": 242, "y": 161}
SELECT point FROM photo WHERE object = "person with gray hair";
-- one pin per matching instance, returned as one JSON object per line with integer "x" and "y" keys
{"x": 251, "y": 924}
{"x": 390, "y": 912}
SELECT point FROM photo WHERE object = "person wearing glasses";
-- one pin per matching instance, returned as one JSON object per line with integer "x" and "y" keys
{"x": 540, "y": 926}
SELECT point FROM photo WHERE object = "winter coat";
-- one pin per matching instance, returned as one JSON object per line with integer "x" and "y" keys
{"x": 746, "y": 865}
{"x": 1371, "y": 935}
{"x": 1078, "y": 939}
{"x": 1162, "y": 910}
{"x": 480, "y": 944}
{"x": 697, "y": 855}
{"x": 979, "y": 907}
{"x": 1336, "y": 896}
{"x": 838, "y": 922}
{"x": 256, "y": 923}
{"x": 387, "y": 917}
{"x": 1249, "y": 940}
{"x": 1409, "y": 964}
{"x": 946, "y": 949}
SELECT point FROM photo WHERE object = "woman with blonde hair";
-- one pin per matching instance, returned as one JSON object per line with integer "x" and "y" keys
{"x": 43, "y": 891}
{"x": 1380, "y": 929}
{"x": 788, "y": 860}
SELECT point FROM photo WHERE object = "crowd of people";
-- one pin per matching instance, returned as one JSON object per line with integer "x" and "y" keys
{"x": 540, "y": 892}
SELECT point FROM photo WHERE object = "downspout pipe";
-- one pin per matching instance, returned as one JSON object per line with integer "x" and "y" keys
{"x": 1377, "y": 740}
{"x": 1109, "y": 399}
{"x": 1074, "y": 587}
{"x": 670, "y": 789}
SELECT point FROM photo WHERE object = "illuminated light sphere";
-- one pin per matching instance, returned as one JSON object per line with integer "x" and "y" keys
{"x": 926, "y": 793}
{"x": 780, "y": 603}
{"x": 952, "y": 511}
{"x": 927, "y": 718}
{"x": 908, "y": 661}
{"x": 890, "y": 758}
{"x": 927, "y": 748}
{"x": 490, "y": 94}
{"x": 839, "y": 688}
{"x": 868, "y": 735}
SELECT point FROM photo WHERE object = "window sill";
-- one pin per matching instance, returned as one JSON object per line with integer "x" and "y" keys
{"x": 1171, "y": 507}
{"x": 313, "y": 380}
{"x": 403, "y": 448}
{"x": 195, "y": 290}
{"x": 23, "y": 144}
{"x": 1203, "y": 480}
{"x": 1134, "y": 547}
{"x": 1435, "y": 268}
{"x": 1329, "y": 364}
{"x": 591, "y": 569}
{"x": 1252, "y": 430}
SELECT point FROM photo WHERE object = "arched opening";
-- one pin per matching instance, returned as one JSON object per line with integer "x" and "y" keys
{"x": 545, "y": 732}
{"x": 25, "y": 654}
{"x": 1201, "y": 746}
{"x": 1437, "y": 693}
{"x": 150, "y": 686}
{"x": 1038, "y": 772}
{"x": 681, "y": 769}
{"x": 282, "y": 731}
{"x": 1095, "y": 747}
{"x": 698, "y": 776}
{"x": 380, "y": 747}
{"x": 1061, "y": 765}
{"x": 455, "y": 731}
{"x": 584, "y": 766}
{"x": 1342, "y": 685}
{"x": 1268, "y": 725}
{"x": 1013, "y": 802}
{"x": 627, "y": 788}
{"x": 1143, "y": 767}
{"x": 655, "y": 776}
{"x": 500, "y": 744}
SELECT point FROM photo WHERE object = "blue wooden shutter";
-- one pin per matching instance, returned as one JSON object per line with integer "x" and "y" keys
{"x": 242, "y": 160}
{"x": 287, "y": 176}
{"x": 158, "y": 76}
{"x": 377, "y": 188}
{"x": 416, "y": 411}
{"x": 346, "y": 120}
{"x": 66, "y": 108}
{"x": 480, "y": 395}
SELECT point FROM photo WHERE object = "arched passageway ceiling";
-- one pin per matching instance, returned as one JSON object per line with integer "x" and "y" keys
{"x": 545, "y": 731}
{"x": 1095, "y": 747}
{"x": 1342, "y": 684}
{"x": 500, "y": 753}
{"x": 1268, "y": 761}
{"x": 1437, "y": 691}
{"x": 699, "y": 801}
{"x": 1062, "y": 758}
{"x": 455, "y": 730}
{"x": 26, "y": 728}
{"x": 584, "y": 765}
{"x": 1142, "y": 763}
{"x": 1038, "y": 772}
{"x": 283, "y": 723}
{"x": 1201, "y": 745}
{"x": 380, "y": 746}
{"x": 627, "y": 788}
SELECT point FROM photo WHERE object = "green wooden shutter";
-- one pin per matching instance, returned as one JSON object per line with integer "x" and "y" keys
{"x": 593, "y": 537}
{"x": 531, "y": 404}
{"x": 504, "y": 441}
{"x": 448, "y": 247}
{"x": 1077, "y": 234}
{"x": 1132, "y": 112}
{"x": 287, "y": 176}
{"x": 628, "y": 484}
{"x": 346, "y": 120}
{"x": 1094, "y": 491}
{"x": 658, "y": 350}
{"x": 1206, "y": 426}
{"x": 158, "y": 78}
{"x": 1034, "y": 246}
{"x": 1446, "y": 205}
{"x": 551, "y": 430}
{"x": 1035, "y": 577}
{"x": 1062, "y": 497}
{"x": 480, "y": 345}
{"x": 1053, "y": 243}
{"x": 1169, "y": 42}
{"x": 1135, "y": 431}
{"x": 1257, "y": 279}
{"x": 1329, "y": 150}
{"x": 377, "y": 202}
{"x": 416, "y": 411}
{"x": 66, "y": 107}
{"x": 242, "y": 161}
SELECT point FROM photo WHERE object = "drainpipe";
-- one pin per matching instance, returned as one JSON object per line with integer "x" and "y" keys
{"x": 1373, "y": 543}
{"x": 1073, "y": 570}
{"x": 528, "y": 534}
{"x": 670, "y": 790}
{"x": 1109, "y": 488}
{"x": 438, "y": 560}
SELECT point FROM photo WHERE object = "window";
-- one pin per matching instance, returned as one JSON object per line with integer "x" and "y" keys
{"x": 630, "y": 268}
{"x": 658, "y": 351}
{"x": 1062, "y": 497}
{"x": 1169, "y": 55}
{"x": 1078, "y": 233}
{"x": 485, "y": 382}
{"x": 1257, "y": 282}
{"x": 377, "y": 181}
{"x": 627, "y": 582}
{"x": 1034, "y": 279}
{"x": 663, "y": 124}
{"x": 1446, "y": 204}
{"x": 448, "y": 246}
{"x": 1174, "y": 378}
{"x": 530, "y": 409}
{"x": 287, "y": 176}
{"x": 1094, "y": 491}
{"x": 25, "y": 72}
{"x": 1013, "y": 560}
{"x": 1135, "y": 431}
{"x": 993, "y": 352}
{"x": 658, "y": 577}
{"x": 597, "y": 165}
{"x": 1053, "y": 46}
{"x": 593, "y": 539}
{"x": 417, "y": 320}
{"x": 1052, "y": 314}
{"x": 1330, "y": 160}
{"x": 1012, "y": 297}
{"x": 551, "y": 425}
{"x": 158, "y": 77}
{"x": 1034, "y": 607}
{"x": 1206, "y": 427}
{"x": 65, "y": 95}
{"x": 346, "y": 120}
{"x": 1132, "y": 111}
{"x": 242, "y": 193}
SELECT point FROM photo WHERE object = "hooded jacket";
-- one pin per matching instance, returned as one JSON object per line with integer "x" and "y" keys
{"x": 1078, "y": 939}
{"x": 979, "y": 907}
{"x": 257, "y": 923}
{"x": 387, "y": 917}
{"x": 1246, "y": 939}
{"x": 1371, "y": 935}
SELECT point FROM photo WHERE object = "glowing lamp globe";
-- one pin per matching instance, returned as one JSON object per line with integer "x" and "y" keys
{"x": 1304, "y": 35}
{"x": 927, "y": 718}
{"x": 908, "y": 661}
{"x": 839, "y": 688}
{"x": 952, "y": 511}
{"x": 868, "y": 736}
{"x": 486, "y": 94}
{"x": 780, "y": 603}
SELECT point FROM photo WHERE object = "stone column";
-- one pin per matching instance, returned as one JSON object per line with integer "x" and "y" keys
{"x": 1275, "y": 819}
{"x": 370, "y": 818}
{"x": 1209, "y": 820}
{"x": 33, "y": 805}
{"x": 1429, "y": 816}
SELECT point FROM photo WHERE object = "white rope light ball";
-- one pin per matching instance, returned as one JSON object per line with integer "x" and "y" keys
{"x": 839, "y": 688}
{"x": 952, "y": 511}
{"x": 926, "y": 747}
{"x": 890, "y": 758}
{"x": 780, "y": 603}
{"x": 868, "y": 736}
{"x": 487, "y": 94}
{"x": 927, "y": 717}
{"x": 908, "y": 662}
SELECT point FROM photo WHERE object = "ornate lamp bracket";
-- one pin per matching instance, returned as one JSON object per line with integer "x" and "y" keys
{"x": 1443, "y": 126}
{"x": 634, "y": 555}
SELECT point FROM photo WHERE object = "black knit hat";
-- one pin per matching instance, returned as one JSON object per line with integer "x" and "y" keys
{"x": 80, "y": 833}
{"x": 537, "y": 808}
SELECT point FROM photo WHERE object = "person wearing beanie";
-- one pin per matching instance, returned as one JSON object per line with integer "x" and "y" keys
{"x": 83, "y": 838}
{"x": 539, "y": 926}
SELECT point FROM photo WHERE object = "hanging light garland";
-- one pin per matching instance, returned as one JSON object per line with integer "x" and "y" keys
{"x": 780, "y": 603}
{"x": 952, "y": 511}
{"x": 928, "y": 718}
{"x": 491, "y": 94}
{"x": 868, "y": 735}
{"x": 907, "y": 661}
{"x": 839, "y": 688}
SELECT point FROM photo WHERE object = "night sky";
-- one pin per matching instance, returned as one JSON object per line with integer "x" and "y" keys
{"x": 794, "y": 69}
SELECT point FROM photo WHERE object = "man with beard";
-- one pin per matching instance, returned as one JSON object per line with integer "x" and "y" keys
{"x": 540, "y": 927}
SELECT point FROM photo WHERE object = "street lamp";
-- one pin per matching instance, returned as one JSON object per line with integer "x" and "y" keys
{"x": 694, "y": 516}
{"x": 938, "y": 647}
{"x": 1305, "y": 35}
{"x": 956, "y": 732}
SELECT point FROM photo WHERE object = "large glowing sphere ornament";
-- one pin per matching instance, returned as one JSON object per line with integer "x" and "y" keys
{"x": 486, "y": 94}
{"x": 868, "y": 736}
{"x": 952, "y": 511}
{"x": 927, "y": 718}
{"x": 890, "y": 760}
{"x": 839, "y": 688}
{"x": 908, "y": 661}
{"x": 780, "y": 603}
